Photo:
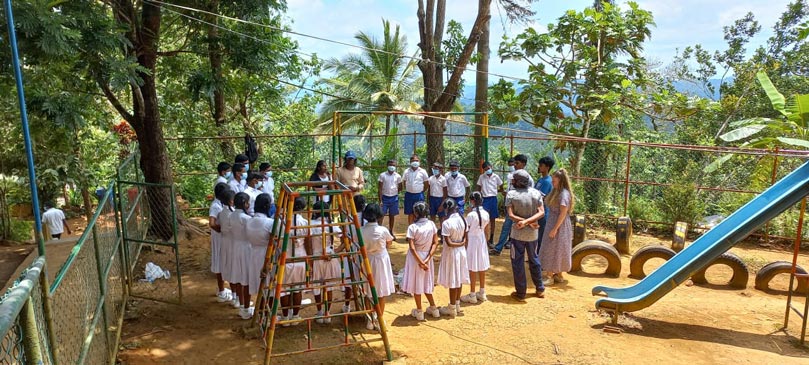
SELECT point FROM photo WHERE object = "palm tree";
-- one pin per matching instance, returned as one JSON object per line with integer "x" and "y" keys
{"x": 378, "y": 79}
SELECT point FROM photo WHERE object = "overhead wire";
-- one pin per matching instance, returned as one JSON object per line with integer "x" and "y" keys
{"x": 548, "y": 135}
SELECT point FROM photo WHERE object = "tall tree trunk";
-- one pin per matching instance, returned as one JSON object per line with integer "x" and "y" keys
{"x": 143, "y": 36}
{"x": 482, "y": 83}
{"x": 437, "y": 96}
{"x": 218, "y": 102}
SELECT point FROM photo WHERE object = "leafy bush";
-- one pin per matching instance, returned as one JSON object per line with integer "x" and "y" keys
{"x": 681, "y": 202}
{"x": 21, "y": 231}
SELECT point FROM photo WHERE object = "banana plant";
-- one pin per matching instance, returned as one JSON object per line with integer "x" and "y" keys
{"x": 790, "y": 129}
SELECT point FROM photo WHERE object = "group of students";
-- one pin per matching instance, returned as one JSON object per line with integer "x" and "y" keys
{"x": 241, "y": 221}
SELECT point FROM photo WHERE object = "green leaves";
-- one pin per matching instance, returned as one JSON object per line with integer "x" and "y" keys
{"x": 742, "y": 132}
{"x": 776, "y": 98}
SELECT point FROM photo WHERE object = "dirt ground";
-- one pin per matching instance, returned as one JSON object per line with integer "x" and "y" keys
{"x": 691, "y": 325}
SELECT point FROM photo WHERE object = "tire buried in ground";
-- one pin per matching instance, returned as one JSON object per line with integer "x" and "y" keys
{"x": 740, "y": 271}
{"x": 600, "y": 248}
{"x": 645, "y": 254}
{"x": 769, "y": 271}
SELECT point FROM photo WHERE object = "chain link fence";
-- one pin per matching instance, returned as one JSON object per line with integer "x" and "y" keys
{"x": 77, "y": 319}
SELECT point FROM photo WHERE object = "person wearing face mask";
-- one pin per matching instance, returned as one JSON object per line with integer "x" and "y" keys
{"x": 268, "y": 187}
{"x": 349, "y": 174}
{"x": 437, "y": 183}
{"x": 489, "y": 184}
{"x": 515, "y": 164}
{"x": 242, "y": 159}
{"x": 389, "y": 184}
{"x": 254, "y": 184}
{"x": 457, "y": 186}
{"x": 223, "y": 173}
{"x": 415, "y": 179}
{"x": 238, "y": 181}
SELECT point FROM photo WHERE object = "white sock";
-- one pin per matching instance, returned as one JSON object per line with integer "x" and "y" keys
{"x": 482, "y": 291}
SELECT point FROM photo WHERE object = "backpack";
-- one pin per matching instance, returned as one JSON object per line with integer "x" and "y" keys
{"x": 250, "y": 149}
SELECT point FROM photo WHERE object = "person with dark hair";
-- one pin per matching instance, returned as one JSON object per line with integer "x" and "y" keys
{"x": 489, "y": 184}
{"x": 239, "y": 180}
{"x": 222, "y": 294}
{"x": 457, "y": 187}
{"x": 295, "y": 272}
{"x": 253, "y": 189}
{"x": 226, "y": 250}
{"x": 422, "y": 236}
{"x": 520, "y": 161}
{"x": 477, "y": 253}
{"x": 524, "y": 207}
{"x": 415, "y": 181}
{"x": 268, "y": 187}
{"x": 438, "y": 184}
{"x": 349, "y": 174}
{"x": 54, "y": 219}
{"x": 389, "y": 184}
{"x": 324, "y": 235}
{"x": 242, "y": 159}
{"x": 453, "y": 271}
{"x": 377, "y": 240}
{"x": 321, "y": 174}
{"x": 240, "y": 261}
{"x": 258, "y": 234}
{"x": 223, "y": 173}
{"x": 544, "y": 185}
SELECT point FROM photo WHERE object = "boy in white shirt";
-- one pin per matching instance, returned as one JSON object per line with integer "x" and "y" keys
{"x": 389, "y": 184}
{"x": 269, "y": 185}
{"x": 437, "y": 182}
{"x": 55, "y": 220}
{"x": 415, "y": 179}
{"x": 238, "y": 182}
{"x": 489, "y": 184}
{"x": 223, "y": 173}
{"x": 253, "y": 189}
{"x": 457, "y": 186}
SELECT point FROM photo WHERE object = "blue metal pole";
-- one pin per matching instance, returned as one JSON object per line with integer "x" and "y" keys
{"x": 29, "y": 153}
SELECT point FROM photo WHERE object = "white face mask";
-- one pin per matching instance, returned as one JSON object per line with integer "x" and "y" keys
{"x": 512, "y": 168}
{"x": 415, "y": 164}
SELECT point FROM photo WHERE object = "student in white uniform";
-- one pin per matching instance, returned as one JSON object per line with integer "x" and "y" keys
{"x": 265, "y": 170}
{"x": 323, "y": 240}
{"x": 389, "y": 184}
{"x": 300, "y": 244}
{"x": 457, "y": 187}
{"x": 240, "y": 261}
{"x": 226, "y": 245}
{"x": 54, "y": 219}
{"x": 438, "y": 184}
{"x": 477, "y": 252}
{"x": 359, "y": 205}
{"x": 453, "y": 271}
{"x": 253, "y": 189}
{"x": 415, "y": 181}
{"x": 258, "y": 234}
{"x": 377, "y": 240}
{"x": 223, "y": 173}
{"x": 489, "y": 184}
{"x": 238, "y": 181}
{"x": 222, "y": 294}
{"x": 422, "y": 236}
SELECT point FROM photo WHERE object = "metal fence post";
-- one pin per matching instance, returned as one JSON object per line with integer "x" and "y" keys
{"x": 102, "y": 282}
{"x": 31, "y": 340}
{"x": 486, "y": 137}
{"x": 626, "y": 181}
{"x": 511, "y": 148}
{"x": 772, "y": 182}
{"x": 176, "y": 245}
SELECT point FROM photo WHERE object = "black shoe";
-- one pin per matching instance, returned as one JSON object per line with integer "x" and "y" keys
{"x": 494, "y": 252}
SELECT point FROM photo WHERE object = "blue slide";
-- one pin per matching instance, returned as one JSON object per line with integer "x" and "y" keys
{"x": 767, "y": 205}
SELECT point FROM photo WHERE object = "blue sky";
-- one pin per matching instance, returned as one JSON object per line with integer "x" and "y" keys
{"x": 679, "y": 23}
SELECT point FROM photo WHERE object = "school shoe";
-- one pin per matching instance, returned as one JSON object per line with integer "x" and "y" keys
{"x": 470, "y": 298}
{"x": 327, "y": 320}
{"x": 458, "y": 309}
{"x": 417, "y": 314}
{"x": 295, "y": 317}
{"x": 223, "y": 296}
{"x": 371, "y": 323}
{"x": 319, "y": 314}
{"x": 284, "y": 318}
{"x": 481, "y": 296}
{"x": 246, "y": 313}
{"x": 433, "y": 311}
{"x": 347, "y": 309}
{"x": 559, "y": 280}
{"x": 449, "y": 310}
{"x": 547, "y": 281}
{"x": 234, "y": 301}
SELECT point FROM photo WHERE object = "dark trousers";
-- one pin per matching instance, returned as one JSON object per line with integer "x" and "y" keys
{"x": 518, "y": 251}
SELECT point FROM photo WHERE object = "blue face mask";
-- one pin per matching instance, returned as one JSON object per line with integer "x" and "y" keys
{"x": 259, "y": 184}
{"x": 391, "y": 168}
{"x": 268, "y": 174}
{"x": 415, "y": 164}
{"x": 512, "y": 168}
{"x": 436, "y": 172}
{"x": 247, "y": 167}
{"x": 489, "y": 171}
{"x": 454, "y": 173}
{"x": 228, "y": 175}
